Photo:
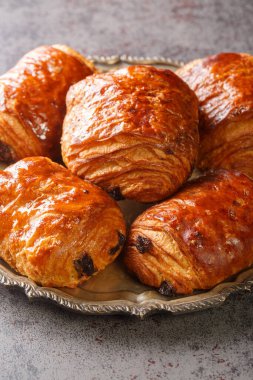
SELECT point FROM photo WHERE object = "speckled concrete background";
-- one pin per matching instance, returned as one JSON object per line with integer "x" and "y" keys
{"x": 42, "y": 341}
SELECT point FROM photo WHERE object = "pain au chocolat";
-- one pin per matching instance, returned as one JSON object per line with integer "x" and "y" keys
{"x": 196, "y": 239}
{"x": 134, "y": 132}
{"x": 32, "y": 101}
{"x": 223, "y": 84}
{"x": 55, "y": 228}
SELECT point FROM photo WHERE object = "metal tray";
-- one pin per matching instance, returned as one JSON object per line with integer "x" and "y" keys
{"x": 113, "y": 291}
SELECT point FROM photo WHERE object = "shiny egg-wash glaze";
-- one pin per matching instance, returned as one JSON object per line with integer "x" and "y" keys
{"x": 224, "y": 86}
{"x": 196, "y": 239}
{"x": 55, "y": 228}
{"x": 134, "y": 132}
{"x": 32, "y": 101}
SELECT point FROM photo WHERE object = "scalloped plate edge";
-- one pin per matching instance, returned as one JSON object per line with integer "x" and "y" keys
{"x": 114, "y": 59}
{"x": 213, "y": 298}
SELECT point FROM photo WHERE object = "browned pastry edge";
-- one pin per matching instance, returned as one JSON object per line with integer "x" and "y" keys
{"x": 32, "y": 102}
{"x": 68, "y": 50}
{"x": 132, "y": 131}
{"x": 196, "y": 239}
{"x": 55, "y": 228}
{"x": 224, "y": 86}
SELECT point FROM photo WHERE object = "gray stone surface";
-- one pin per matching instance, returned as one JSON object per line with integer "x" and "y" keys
{"x": 183, "y": 29}
{"x": 42, "y": 341}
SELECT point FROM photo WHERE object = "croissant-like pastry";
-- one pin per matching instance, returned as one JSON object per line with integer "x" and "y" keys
{"x": 32, "y": 101}
{"x": 55, "y": 228}
{"x": 196, "y": 239}
{"x": 134, "y": 132}
{"x": 224, "y": 86}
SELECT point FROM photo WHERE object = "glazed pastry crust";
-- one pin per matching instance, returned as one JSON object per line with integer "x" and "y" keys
{"x": 55, "y": 228}
{"x": 196, "y": 239}
{"x": 32, "y": 101}
{"x": 68, "y": 50}
{"x": 132, "y": 131}
{"x": 224, "y": 86}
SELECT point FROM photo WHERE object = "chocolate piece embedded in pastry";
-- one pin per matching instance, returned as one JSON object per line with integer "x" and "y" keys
{"x": 224, "y": 86}
{"x": 55, "y": 228}
{"x": 134, "y": 132}
{"x": 32, "y": 101}
{"x": 196, "y": 239}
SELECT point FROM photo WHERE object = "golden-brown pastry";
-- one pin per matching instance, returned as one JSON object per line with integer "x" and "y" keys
{"x": 196, "y": 239}
{"x": 224, "y": 86}
{"x": 55, "y": 228}
{"x": 134, "y": 132}
{"x": 32, "y": 101}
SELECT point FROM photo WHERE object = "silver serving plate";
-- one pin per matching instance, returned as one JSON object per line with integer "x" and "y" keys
{"x": 114, "y": 291}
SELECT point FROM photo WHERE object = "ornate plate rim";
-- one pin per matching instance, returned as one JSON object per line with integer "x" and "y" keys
{"x": 124, "y": 58}
{"x": 214, "y": 297}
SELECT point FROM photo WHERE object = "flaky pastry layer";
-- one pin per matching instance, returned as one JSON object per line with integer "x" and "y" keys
{"x": 32, "y": 101}
{"x": 55, "y": 228}
{"x": 224, "y": 86}
{"x": 132, "y": 131}
{"x": 196, "y": 239}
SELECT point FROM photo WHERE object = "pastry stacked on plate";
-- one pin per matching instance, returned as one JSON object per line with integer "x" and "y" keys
{"x": 136, "y": 133}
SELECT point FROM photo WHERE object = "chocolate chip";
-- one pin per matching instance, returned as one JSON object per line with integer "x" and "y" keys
{"x": 169, "y": 151}
{"x": 121, "y": 241}
{"x": 143, "y": 244}
{"x": 115, "y": 193}
{"x": 114, "y": 250}
{"x": 5, "y": 153}
{"x": 84, "y": 265}
{"x": 166, "y": 289}
{"x": 122, "y": 238}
